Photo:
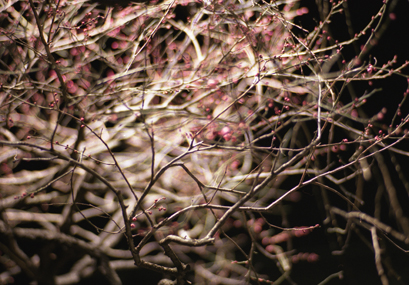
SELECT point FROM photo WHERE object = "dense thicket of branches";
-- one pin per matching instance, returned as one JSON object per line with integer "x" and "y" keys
{"x": 179, "y": 137}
